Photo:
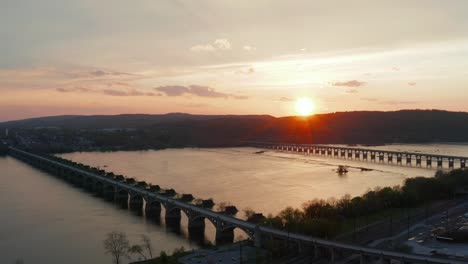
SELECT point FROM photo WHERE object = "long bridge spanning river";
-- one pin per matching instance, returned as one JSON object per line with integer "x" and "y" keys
{"x": 144, "y": 199}
{"x": 363, "y": 154}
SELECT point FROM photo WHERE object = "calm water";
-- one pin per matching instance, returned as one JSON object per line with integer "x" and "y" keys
{"x": 266, "y": 182}
{"x": 45, "y": 220}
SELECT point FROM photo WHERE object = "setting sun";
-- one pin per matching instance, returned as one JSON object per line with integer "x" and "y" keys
{"x": 305, "y": 106}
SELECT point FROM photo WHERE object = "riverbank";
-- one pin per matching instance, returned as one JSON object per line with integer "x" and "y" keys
{"x": 239, "y": 252}
{"x": 417, "y": 197}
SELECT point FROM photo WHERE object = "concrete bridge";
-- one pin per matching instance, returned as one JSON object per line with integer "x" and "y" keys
{"x": 150, "y": 202}
{"x": 363, "y": 154}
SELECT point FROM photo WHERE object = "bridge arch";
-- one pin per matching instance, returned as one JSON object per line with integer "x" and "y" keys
{"x": 153, "y": 210}
{"x": 109, "y": 192}
{"x": 226, "y": 234}
{"x": 89, "y": 183}
{"x": 121, "y": 197}
{"x": 99, "y": 188}
{"x": 77, "y": 179}
{"x": 172, "y": 214}
{"x": 136, "y": 202}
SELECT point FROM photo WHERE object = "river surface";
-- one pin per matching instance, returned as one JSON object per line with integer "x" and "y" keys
{"x": 45, "y": 220}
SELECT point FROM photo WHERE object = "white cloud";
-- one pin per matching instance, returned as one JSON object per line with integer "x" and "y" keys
{"x": 246, "y": 71}
{"x": 249, "y": 48}
{"x": 222, "y": 44}
{"x": 201, "y": 48}
{"x": 218, "y": 44}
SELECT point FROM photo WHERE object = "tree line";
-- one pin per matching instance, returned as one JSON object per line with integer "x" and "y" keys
{"x": 324, "y": 218}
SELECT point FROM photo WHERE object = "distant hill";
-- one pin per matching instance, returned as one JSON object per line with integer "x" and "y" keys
{"x": 110, "y": 121}
{"x": 407, "y": 126}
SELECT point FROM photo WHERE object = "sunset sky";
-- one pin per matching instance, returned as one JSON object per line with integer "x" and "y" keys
{"x": 230, "y": 57}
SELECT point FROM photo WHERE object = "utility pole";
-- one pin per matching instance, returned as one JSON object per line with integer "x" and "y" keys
{"x": 391, "y": 223}
{"x": 354, "y": 227}
{"x": 240, "y": 252}
{"x": 446, "y": 220}
{"x": 408, "y": 223}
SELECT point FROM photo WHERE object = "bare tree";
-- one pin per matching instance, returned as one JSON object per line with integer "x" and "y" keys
{"x": 117, "y": 245}
{"x": 146, "y": 244}
{"x": 137, "y": 249}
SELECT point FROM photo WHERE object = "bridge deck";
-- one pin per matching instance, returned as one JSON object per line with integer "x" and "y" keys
{"x": 334, "y": 147}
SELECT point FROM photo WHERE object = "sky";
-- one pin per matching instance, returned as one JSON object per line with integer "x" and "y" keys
{"x": 230, "y": 57}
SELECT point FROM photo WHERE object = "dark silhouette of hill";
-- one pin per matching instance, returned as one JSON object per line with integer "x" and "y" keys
{"x": 107, "y": 121}
{"x": 406, "y": 126}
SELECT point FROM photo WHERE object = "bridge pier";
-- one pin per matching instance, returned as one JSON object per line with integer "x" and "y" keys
{"x": 109, "y": 192}
{"x": 153, "y": 210}
{"x": 362, "y": 258}
{"x": 381, "y": 157}
{"x": 372, "y": 156}
{"x": 429, "y": 161}
{"x": 258, "y": 237}
{"x": 418, "y": 161}
{"x": 390, "y": 157}
{"x": 136, "y": 203}
{"x": 121, "y": 198}
{"x": 383, "y": 260}
{"x": 76, "y": 180}
{"x": 365, "y": 155}
{"x": 99, "y": 188}
{"x": 70, "y": 177}
{"x": 332, "y": 255}
{"x": 196, "y": 227}
{"x": 462, "y": 163}
{"x": 89, "y": 185}
{"x": 408, "y": 159}
{"x": 439, "y": 162}
{"x": 451, "y": 163}
{"x": 172, "y": 216}
{"x": 224, "y": 236}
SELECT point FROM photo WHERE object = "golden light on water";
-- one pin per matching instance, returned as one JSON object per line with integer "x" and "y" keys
{"x": 305, "y": 106}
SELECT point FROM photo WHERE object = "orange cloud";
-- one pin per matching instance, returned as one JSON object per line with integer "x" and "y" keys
{"x": 352, "y": 83}
{"x": 197, "y": 90}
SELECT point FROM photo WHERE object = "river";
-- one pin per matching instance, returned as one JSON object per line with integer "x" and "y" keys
{"x": 45, "y": 220}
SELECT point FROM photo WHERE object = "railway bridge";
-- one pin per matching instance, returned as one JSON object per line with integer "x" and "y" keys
{"x": 142, "y": 198}
{"x": 364, "y": 154}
